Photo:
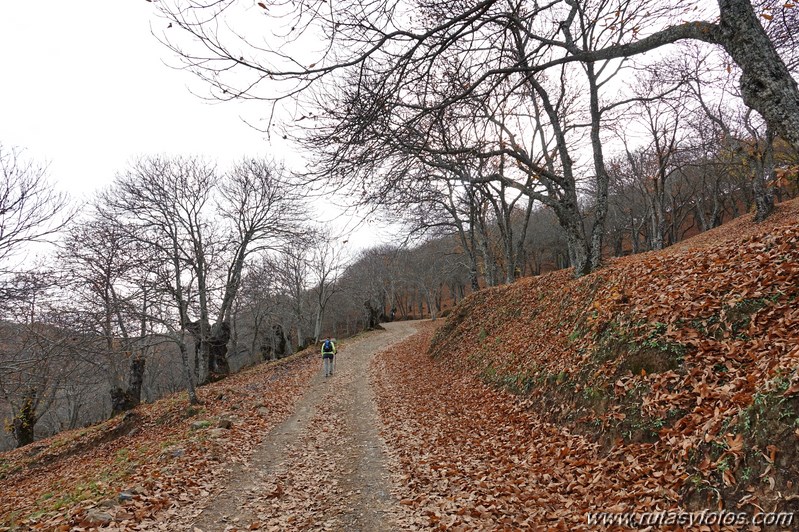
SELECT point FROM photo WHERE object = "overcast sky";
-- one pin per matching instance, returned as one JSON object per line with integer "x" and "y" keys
{"x": 84, "y": 86}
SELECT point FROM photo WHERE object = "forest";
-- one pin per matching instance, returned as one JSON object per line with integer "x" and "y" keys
{"x": 505, "y": 141}
{"x": 585, "y": 313}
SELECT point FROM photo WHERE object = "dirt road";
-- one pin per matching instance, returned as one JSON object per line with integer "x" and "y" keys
{"x": 324, "y": 468}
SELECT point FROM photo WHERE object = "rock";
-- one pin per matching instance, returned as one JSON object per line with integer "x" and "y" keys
{"x": 203, "y": 423}
{"x": 224, "y": 424}
{"x": 107, "y": 503}
{"x": 263, "y": 411}
{"x": 173, "y": 452}
{"x": 217, "y": 433}
{"x": 98, "y": 518}
{"x": 33, "y": 450}
{"x": 131, "y": 493}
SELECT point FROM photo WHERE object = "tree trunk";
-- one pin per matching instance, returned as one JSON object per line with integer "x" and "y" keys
{"x": 489, "y": 266}
{"x": 474, "y": 279}
{"x": 299, "y": 332}
{"x": 317, "y": 332}
{"x": 579, "y": 253}
{"x": 372, "y": 315}
{"x": 431, "y": 308}
{"x": 123, "y": 400}
{"x": 699, "y": 214}
{"x": 764, "y": 199}
{"x": 764, "y": 196}
{"x": 510, "y": 262}
{"x": 136, "y": 378}
{"x": 204, "y": 356}
{"x": 203, "y": 351}
{"x": 217, "y": 351}
{"x": 618, "y": 241}
{"x": 602, "y": 178}
{"x": 203, "y": 363}
{"x": 24, "y": 422}
{"x": 633, "y": 235}
{"x": 766, "y": 83}
{"x": 289, "y": 344}
{"x": 579, "y": 256}
{"x": 277, "y": 342}
{"x": 74, "y": 405}
{"x": 189, "y": 374}
{"x": 657, "y": 222}
{"x": 474, "y": 276}
{"x": 234, "y": 334}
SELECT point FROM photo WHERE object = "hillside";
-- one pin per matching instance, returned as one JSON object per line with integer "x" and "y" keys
{"x": 666, "y": 380}
{"x": 152, "y": 459}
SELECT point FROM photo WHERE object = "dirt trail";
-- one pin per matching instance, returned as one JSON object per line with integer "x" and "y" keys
{"x": 324, "y": 467}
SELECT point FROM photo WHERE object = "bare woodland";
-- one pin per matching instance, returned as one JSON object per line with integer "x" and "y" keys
{"x": 507, "y": 139}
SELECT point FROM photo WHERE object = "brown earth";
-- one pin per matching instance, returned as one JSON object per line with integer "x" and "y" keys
{"x": 324, "y": 468}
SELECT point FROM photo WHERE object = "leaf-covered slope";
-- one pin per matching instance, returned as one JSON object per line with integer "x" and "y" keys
{"x": 141, "y": 468}
{"x": 689, "y": 355}
{"x": 469, "y": 457}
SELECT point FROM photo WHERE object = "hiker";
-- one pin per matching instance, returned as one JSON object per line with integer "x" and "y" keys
{"x": 328, "y": 353}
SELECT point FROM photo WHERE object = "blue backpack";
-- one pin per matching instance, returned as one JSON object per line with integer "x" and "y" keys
{"x": 328, "y": 346}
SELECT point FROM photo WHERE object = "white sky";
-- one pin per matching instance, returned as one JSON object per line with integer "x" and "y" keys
{"x": 84, "y": 86}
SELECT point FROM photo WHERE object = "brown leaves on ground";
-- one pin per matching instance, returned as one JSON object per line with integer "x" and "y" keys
{"x": 671, "y": 378}
{"x": 473, "y": 458}
{"x": 165, "y": 456}
{"x": 667, "y": 380}
{"x": 322, "y": 468}
{"x": 304, "y": 493}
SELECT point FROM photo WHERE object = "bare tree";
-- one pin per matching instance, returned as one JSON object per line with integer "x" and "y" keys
{"x": 382, "y": 33}
{"x": 325, "y": 263}
{"x": 166, "y": 201}
{"x": 401, "y": 69}
{"x": 36, "y": 356}
{"x": 258, "y": 319}
{"x": 714, "y": 94}
{"x": 262, "y": 212}
{"x": 655, "y": 162}
{"x": 204, "y": 227}
{"x": 107, "y": 272}
{"x": 31, "y": 210}
{"x": 370, "y": 285}
{"x": 291, "y": 269}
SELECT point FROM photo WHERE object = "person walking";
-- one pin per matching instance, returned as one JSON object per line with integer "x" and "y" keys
{"x": 328, "y": 354}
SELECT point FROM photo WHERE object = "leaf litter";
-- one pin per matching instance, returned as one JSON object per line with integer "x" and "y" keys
{"x": 664, "y": 381}
{"x": 480, "y": 433}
